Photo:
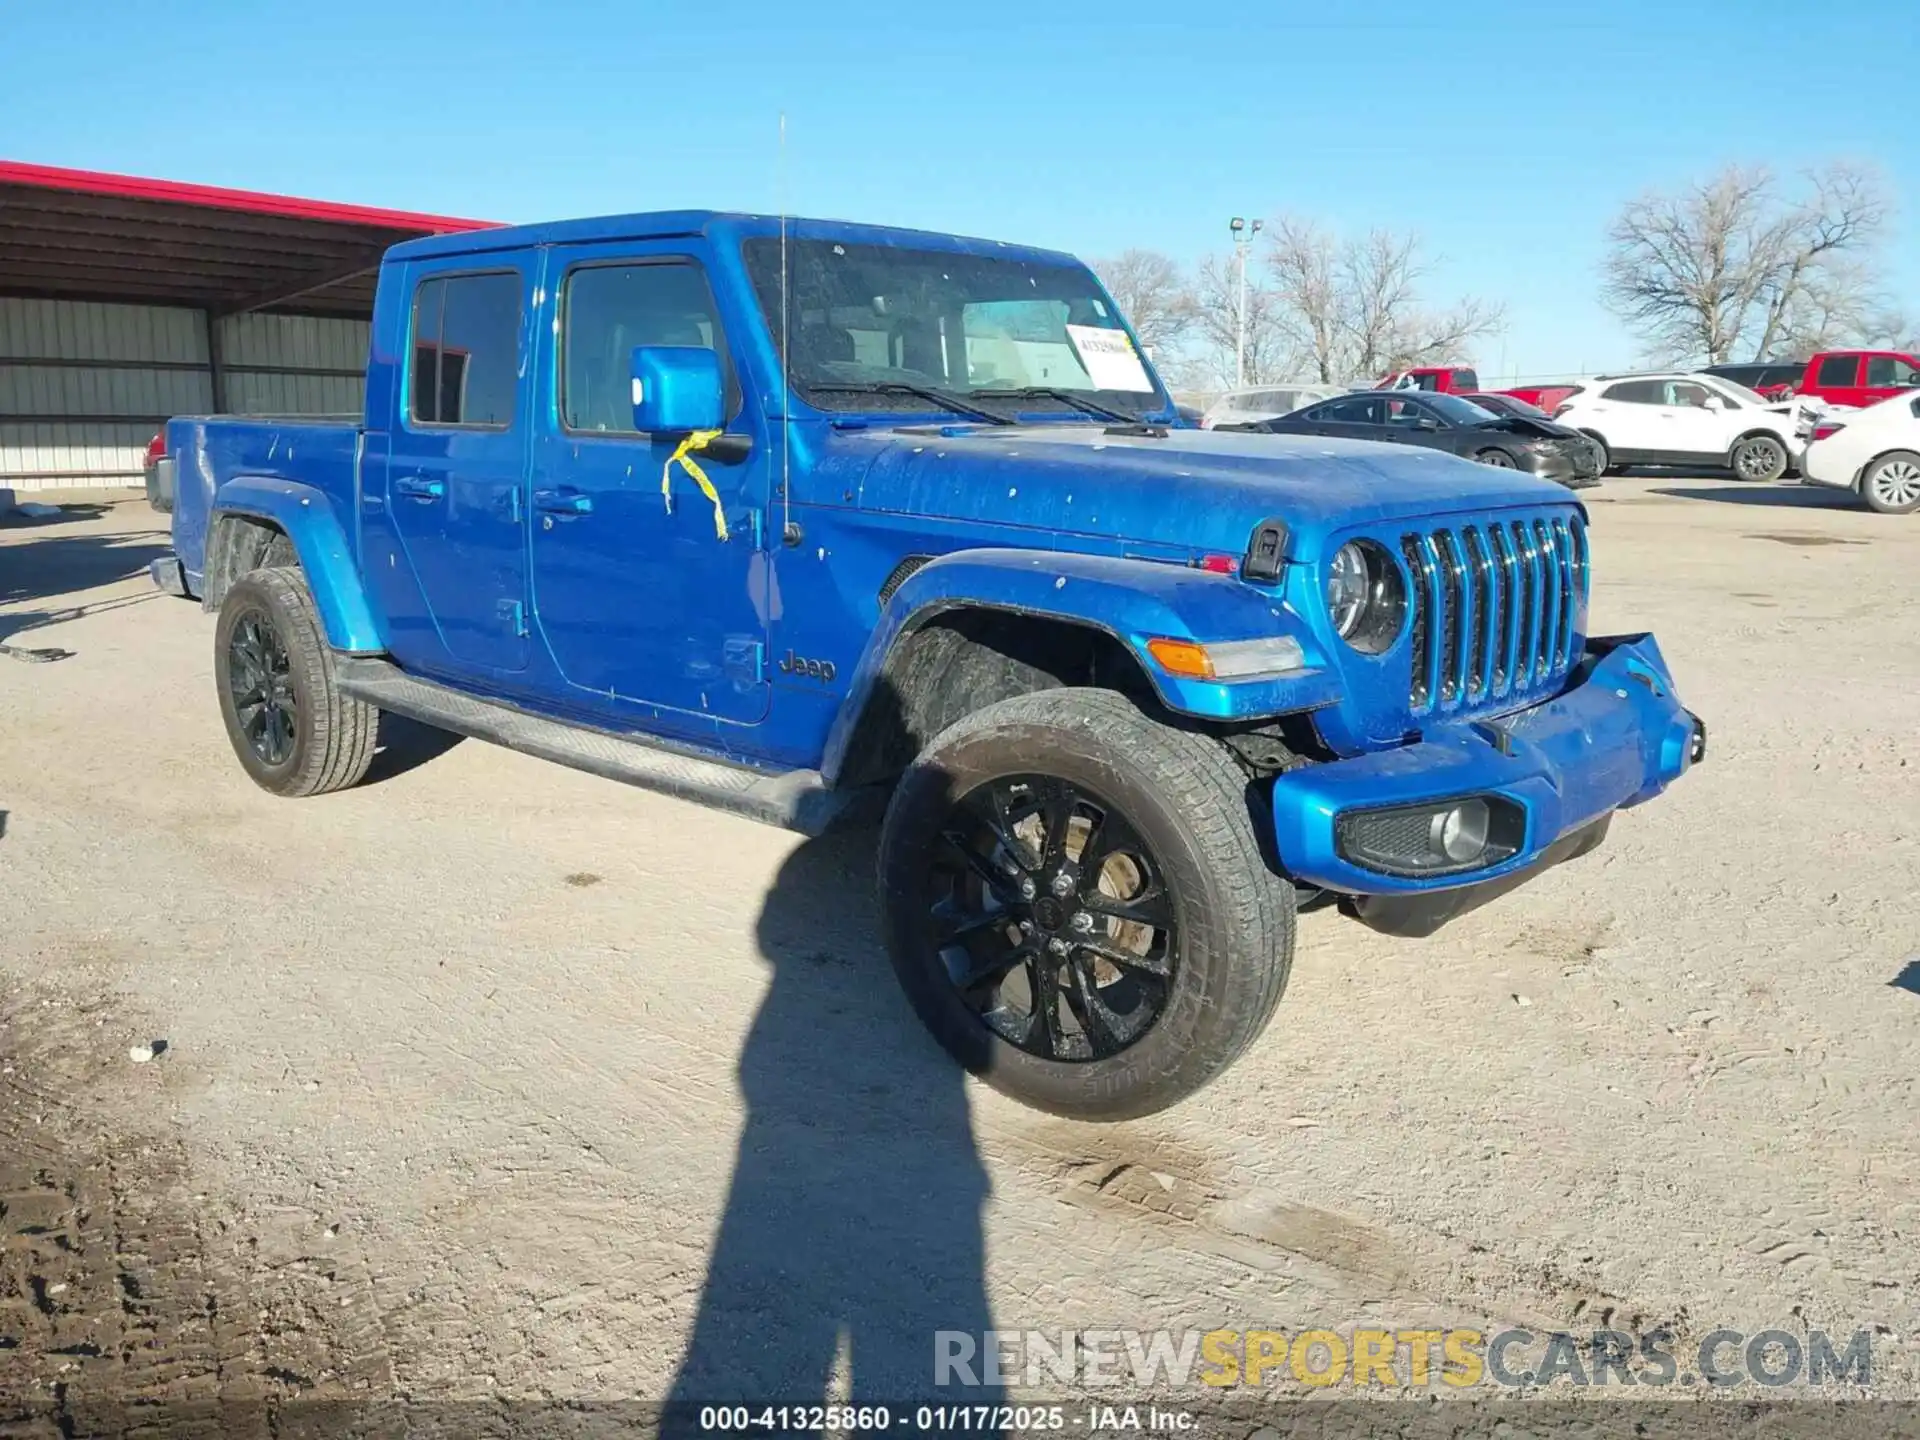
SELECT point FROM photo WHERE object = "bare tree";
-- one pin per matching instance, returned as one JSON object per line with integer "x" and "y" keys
{"x": 1216, "y": 328}
{"x": 1735, "y": 266}
{"x": 1152, "y": 294}
{"x": 1351, "y": 309}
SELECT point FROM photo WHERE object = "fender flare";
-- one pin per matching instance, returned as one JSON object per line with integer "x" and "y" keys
{"x": 1131, "y": 600}
{"x": 307, "y": 517}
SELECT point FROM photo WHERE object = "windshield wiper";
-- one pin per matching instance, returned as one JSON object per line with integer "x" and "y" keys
{"x": 1065, "y": 397}
{"x": 945, "y": 399}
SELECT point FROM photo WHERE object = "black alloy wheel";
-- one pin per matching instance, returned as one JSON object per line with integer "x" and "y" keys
{"x": 1052, "y": 918}
{"x": 260, "y": 685}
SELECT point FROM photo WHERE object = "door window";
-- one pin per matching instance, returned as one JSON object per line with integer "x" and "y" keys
{"x": 466, "y": 351}
{"x": 1637, "y": 392}
{"x": 1891, "y": 371}
{"x": 608, "y": 311}
{"x": 1838, "y": 370}
{"x": 1352, "y": 410}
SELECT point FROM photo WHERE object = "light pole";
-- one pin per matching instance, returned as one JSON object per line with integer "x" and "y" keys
{"x": 1243, "y": 234}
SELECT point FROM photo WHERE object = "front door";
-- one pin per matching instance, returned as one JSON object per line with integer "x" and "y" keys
{"x": 456, "y": 470}
{"x": 638, "y": 597}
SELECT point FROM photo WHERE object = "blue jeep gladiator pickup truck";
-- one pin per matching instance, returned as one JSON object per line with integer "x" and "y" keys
{"x": 770, "y": 514}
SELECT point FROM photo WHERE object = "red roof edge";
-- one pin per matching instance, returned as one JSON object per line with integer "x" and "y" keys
{"x": 216, "y": 197}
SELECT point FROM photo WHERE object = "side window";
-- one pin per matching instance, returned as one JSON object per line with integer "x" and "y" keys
{"x": 466, "y": 351}
{"x": 1406, "y": 414}
{"x": 1682, "y": 392}
{"x": 1466, "y": 380}
{"x": 607, "y": 312}
{"x": 1636, "y": 392}
{"x": 1891, "y": 370}
{"x": 1838, "y": 370}
{"x": 1353, "y": 410}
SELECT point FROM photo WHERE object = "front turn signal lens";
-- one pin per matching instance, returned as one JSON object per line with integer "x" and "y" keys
{"x": 1182, "y": 657}
{"x": 1262, "y": 657}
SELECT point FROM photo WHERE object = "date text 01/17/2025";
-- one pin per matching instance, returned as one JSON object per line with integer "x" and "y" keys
{"x": 940, "y": 1419}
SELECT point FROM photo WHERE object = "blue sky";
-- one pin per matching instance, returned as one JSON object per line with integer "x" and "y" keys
{"x": 1506, "y": 134}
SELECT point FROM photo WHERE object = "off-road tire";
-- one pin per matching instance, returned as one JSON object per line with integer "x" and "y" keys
{"x": 1880, "y": 503}
{"x": 1758, "y": 459}
{"x": 334, "y": 736}
{"x": 1191, "y": 804}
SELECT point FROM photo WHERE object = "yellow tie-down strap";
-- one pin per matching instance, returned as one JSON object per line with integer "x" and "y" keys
{"x": 683, "y": 457}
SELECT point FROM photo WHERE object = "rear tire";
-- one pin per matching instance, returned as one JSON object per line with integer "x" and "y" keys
{"x": 1020, "y": 988}
{"x": 1758, "y": 459}
{"x": 1891, "y": 484}
{"x": 293, "y": 731}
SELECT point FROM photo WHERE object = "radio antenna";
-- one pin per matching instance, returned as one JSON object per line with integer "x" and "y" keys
{"x": 788, "y": 536}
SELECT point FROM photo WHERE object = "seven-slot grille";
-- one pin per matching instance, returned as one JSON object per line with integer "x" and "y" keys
{"x": 1493, "y": 608}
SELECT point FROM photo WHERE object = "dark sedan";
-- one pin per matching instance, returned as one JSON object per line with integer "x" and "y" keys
{"x": 1447, "y": 422}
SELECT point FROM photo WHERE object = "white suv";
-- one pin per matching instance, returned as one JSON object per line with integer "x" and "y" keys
{"x": 1675, "y": 418}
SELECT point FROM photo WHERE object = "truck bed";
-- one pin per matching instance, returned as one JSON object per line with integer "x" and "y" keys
{"x": 209, "y": 450}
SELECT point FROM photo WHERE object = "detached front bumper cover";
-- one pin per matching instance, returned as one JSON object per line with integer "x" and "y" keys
{"x": 1615, "y": 737}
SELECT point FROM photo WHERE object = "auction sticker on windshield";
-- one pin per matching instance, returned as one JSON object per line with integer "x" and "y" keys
{"x": 1109, "y": 356}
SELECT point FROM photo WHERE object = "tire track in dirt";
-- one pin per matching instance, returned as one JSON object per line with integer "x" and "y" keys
{"x": 118, "y": 1281}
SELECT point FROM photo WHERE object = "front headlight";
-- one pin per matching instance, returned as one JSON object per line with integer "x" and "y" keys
{"x": 1366, "y": 599}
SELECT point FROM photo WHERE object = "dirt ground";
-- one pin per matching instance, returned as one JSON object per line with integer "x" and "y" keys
{"x": 491, "y": 1081}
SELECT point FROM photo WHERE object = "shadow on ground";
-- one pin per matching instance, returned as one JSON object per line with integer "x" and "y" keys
{"x": 37, "y": 568}
{"x": 844, "y": 1248}
{"x": 1792, "y": 497}
{"x": 1909, "y": 977}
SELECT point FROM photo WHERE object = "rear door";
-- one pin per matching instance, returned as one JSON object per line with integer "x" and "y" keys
{"x": 456, "y": 467}
{"x": 1837, "y": 379}
{"x": 1627, "y": 415}
{"x": 639, "y": 599}
{"x": 1354, "y": 417}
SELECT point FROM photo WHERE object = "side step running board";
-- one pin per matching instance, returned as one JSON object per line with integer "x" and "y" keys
{"x": 797, "y": 800}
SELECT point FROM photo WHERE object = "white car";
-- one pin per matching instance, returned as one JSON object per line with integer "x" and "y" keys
{"x": 1675, "y": 418}
{"x": 1266, "y": 402}
{"x": 1874, "y": 452}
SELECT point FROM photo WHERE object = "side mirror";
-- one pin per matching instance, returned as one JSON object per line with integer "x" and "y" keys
{"x": 1714, "y": 402}
{"x": 676, "y": 389}
{"x": 1426, "y": 422}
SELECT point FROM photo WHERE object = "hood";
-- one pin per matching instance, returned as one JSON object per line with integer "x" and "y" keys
{"x": 1526, "y": 425}
{"x": 1204, "y": 488}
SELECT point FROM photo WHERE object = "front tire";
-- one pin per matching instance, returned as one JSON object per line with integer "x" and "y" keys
{"x": 1891, "y": 484}
{"x": 1603, "y": 455}
{"x": 293, "y": 731}
{"x": 1499, "y": 459}
{"x": 1758, "y": 459}
{"x": 1078, "y": 906}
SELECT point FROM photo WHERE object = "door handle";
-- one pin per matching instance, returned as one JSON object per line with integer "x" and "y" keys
{"x": 420, "y": 487}
{"x": 563, "y": 502}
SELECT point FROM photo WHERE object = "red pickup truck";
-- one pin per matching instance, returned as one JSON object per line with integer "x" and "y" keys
{"x": 1447, "y": 379}
{"x": 1859, "y": 378}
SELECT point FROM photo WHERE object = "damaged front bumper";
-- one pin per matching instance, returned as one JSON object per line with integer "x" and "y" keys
{"x": 1479, "y": 804}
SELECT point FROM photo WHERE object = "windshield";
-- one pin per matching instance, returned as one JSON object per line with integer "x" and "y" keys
{"x": 1458, "y": 411}
{"x": 870, "y": 321}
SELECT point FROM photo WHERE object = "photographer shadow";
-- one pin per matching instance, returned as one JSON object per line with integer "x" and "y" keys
{"x": 852, "y": 1229}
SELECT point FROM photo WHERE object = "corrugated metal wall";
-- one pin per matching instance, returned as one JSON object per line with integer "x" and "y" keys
{"x": 84, "y": 385}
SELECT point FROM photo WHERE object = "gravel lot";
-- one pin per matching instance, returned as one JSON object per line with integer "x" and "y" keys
{"x": 493, "y": 1080}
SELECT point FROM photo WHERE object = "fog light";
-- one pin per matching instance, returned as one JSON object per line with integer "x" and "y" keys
{"x": 1440, "y": 837}
{"x": 1460, "y": 834}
